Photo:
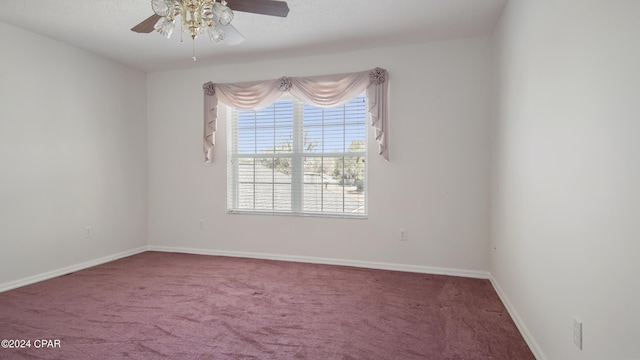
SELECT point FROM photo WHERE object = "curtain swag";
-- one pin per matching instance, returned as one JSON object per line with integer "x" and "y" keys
{"x": 321, "y": 91}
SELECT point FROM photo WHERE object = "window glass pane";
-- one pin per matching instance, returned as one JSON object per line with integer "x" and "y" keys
{"x": 334, "y": 139}
{"x": 264, "y": 197}
{"x": 246, "y": 139}
{"x": 268, "y": 130}
{"x": 278, "y": 169}
{"x": 349, "y": 172}
{"x": 245, "y": 170}
{"x": 321, "y": 189}
{"x": 282, "y": 197}
{"x": 246, "y": 188}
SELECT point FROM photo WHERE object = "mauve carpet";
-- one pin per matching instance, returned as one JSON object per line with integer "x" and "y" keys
{"x": 178, "y": 306}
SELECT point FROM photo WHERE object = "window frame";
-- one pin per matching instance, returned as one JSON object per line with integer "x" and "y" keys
{"x": 297, "y": 165}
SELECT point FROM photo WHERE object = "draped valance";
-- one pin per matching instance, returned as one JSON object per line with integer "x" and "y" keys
{"x": 321, "y": 91}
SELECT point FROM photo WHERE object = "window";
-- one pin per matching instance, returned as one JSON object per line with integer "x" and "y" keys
{"x": 295, "y": 158}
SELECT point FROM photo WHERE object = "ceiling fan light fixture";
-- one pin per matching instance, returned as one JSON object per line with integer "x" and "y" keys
{"x": 210, "y": 16}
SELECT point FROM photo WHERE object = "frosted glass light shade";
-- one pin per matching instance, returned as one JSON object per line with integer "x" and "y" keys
{"x": 162, "y": 7}
{"x": 225, "y": 15}
{"x": 215, "y": 34}
{"x": 165, "y": 27}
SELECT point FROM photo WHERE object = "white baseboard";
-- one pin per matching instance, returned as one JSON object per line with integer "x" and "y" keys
{"x": 304, "y": 259}
{"x": 528, "y": 338}
{"x": 68, "y": 269}
{"x": 328, "y": 261}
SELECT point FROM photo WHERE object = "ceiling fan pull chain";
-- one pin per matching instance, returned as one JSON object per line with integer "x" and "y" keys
{"x": 194, "y": 50}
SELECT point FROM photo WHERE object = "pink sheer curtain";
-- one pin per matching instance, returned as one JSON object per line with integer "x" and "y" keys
{"x": 322, "y": 91}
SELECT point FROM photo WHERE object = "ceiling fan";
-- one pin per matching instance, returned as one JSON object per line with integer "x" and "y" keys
{"x": 214, "y": 16}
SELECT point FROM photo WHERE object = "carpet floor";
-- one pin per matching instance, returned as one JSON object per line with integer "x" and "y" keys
{"x": 178, "y": 306}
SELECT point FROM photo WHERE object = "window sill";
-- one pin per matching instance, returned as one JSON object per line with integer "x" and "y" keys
{"x": 284, "y": 213}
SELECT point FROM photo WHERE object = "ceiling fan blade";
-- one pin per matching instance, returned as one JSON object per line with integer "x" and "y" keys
{"x": 146, "y": 26}
{"x": 231, "y": 35}
{"x": 264, "y": 7}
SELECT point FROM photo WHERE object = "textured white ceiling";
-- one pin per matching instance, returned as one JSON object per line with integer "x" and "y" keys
{"x": 312, "y": 27}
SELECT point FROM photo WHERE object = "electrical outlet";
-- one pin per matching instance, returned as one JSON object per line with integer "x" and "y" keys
{"x": 577, "y": 333}
{"x": 403, "y": 235}
{"x": 87, "y": 232}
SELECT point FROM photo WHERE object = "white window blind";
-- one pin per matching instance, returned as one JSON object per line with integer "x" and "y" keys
{"x": 295, "y": 158}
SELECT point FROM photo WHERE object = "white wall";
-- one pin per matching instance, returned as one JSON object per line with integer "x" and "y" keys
{"x": 566, "y": 189}
{"x": 436, "y": 184}
{"x": 72, "y": 154}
